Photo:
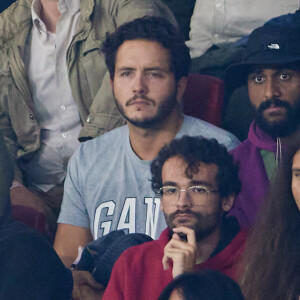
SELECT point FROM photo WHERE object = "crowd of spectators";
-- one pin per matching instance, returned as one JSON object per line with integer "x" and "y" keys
{"x": 96, "y": 155}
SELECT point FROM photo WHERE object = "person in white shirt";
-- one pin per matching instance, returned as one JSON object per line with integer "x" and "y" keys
{"x": 225, "y": 21}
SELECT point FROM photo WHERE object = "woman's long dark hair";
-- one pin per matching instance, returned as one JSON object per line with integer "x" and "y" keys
{"x": 272, "y": 257}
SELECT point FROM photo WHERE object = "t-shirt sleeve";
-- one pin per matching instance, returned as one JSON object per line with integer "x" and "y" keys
{"x": 234, "y": 141}
{"x": 73, "y": 209}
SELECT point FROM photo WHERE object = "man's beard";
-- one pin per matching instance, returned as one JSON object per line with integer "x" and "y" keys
{"x": 205, "y": 225}
{"x": 280, "y": 128}
{"x": 163, "y": 111}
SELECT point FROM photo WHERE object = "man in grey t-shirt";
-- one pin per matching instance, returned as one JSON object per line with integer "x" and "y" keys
{"x": 107, "y": 186}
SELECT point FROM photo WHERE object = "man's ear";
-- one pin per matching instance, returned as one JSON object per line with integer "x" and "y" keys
{"x": 181, "y": 86}
{"x": 111, "y": 82}
{"x": 227, "y": 202}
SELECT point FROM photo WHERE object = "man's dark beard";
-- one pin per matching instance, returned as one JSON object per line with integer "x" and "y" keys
{"x": 164, "y": 110}
{"x": 281, "y": 128}
{"x": 205, "y": 225}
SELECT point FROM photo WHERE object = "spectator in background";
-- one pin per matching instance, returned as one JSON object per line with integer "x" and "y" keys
{"x": 198, "y": 182}
{"x": 216, "y": 25}
{"x": 272, "y": 71}
{"x": 216, "y": 29}
{"x": 237, "y": 105}
{"x": 182, "y": 11}
{"x": 202, "y": 285}
{"x": 29, "y": 267}
{"x": 54, "y": 88}
{"x": 272, "y": 258}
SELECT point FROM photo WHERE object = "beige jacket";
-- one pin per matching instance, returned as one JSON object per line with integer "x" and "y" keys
{"x": 88, "y": 74}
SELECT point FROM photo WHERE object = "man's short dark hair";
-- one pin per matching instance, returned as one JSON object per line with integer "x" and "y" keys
{"x": 194, "y": 151}
{"x": 150, "y": 29}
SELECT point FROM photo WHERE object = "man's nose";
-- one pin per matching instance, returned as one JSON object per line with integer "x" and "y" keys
{"x": 183, "y": 199}
{"x": 139, "y": 85}
{"x": 272, "y": 89}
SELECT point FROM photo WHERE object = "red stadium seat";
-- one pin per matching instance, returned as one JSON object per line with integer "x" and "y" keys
{"x": 203, "y": 98}
{"x": 30, "y": 217}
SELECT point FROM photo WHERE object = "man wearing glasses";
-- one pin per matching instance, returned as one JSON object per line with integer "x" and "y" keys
{"x": 197, "y": 182}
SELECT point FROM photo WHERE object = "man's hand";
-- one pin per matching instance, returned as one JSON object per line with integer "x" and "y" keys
{"x": 85, "y": 287}
{"x": 182, "y": 253}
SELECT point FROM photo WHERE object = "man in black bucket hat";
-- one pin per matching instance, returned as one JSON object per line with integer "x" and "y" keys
{"x": 271, "y": 69}
{"x": 275, "y": 44}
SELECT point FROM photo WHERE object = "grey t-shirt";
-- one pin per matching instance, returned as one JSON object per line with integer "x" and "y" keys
{"x": 108, "y": 187}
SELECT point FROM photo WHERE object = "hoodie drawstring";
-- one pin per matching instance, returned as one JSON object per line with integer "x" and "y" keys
{"x": 278, "y": 156}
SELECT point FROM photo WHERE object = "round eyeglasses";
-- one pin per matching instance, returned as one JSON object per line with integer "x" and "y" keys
{"x": 197, "y": 194}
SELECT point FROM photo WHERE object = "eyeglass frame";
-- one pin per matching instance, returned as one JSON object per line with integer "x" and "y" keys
{"x": 207, "y": 191}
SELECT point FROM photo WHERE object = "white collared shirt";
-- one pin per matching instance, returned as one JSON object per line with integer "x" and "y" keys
{"x": 56, "y": 112}
{"x": 225, "y": 21}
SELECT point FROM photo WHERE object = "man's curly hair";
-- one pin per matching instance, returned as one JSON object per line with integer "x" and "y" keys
{"x": 194, "y": 151}
{"x": 150, "y": 29}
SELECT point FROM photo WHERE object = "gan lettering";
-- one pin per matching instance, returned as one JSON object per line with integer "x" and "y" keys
{"x": 106, "y": 219}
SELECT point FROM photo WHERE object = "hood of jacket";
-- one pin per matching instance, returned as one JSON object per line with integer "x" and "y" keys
{"x": 260, "y": 139}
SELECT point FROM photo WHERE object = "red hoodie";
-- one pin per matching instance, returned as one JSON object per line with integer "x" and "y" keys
{"x": 138, "y": 273}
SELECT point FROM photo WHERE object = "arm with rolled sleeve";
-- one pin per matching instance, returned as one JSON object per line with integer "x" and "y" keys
{"x": 74, "y": 224}
{"x": 73, "y": 209}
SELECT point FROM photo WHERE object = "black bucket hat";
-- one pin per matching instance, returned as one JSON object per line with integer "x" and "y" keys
{"x": 271, "y": 44}
{"x": 99, "y": 256}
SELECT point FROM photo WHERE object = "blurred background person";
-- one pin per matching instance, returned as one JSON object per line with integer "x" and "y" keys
{"x": 29, "y": 267}
{"x": 272, "y": 258}
{"x": 204, "y": 285}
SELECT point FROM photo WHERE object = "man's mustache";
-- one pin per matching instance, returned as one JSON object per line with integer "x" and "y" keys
{"x": 178, "y": 212}
{"x": 273, "y": 102}
{"x": 136, "y": 97}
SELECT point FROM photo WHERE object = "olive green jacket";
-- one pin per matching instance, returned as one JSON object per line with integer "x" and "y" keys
{"x": 88, "y": 74}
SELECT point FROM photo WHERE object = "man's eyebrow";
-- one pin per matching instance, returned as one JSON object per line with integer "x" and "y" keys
{"x": 202, "y": 182}
{"x": 157, "y": 69}
{"x": 171, "y": 183}
{"x": 125, "y": 68}
{"x": 256, "y": 71}
{"x": 296, "y": 169}
{"x": 277, "y": 70}
{"x": 283, "y": 70}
